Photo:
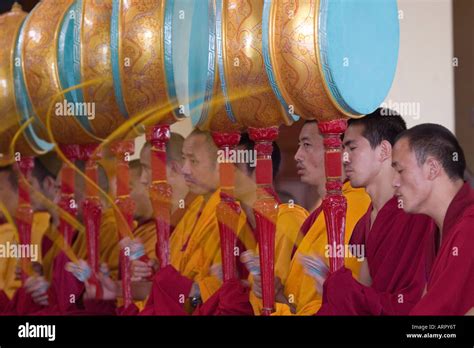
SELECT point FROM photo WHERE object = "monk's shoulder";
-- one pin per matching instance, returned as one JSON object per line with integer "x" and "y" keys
{"x": 292, "y": 211}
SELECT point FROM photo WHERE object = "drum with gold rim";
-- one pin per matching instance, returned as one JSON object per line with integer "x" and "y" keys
{"x": 13, "y": 98}
{"x": 248, "y": 94}
{"x": 329, "y": 59}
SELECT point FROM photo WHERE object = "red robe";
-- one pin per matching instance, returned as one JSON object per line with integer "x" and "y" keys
{"x": 450, "y": 289}
{"x": 398, "y": 263}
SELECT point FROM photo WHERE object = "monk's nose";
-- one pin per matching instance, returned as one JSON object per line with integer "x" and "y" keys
{"x": 298, "y": 155}
{"x": 396, "y": 181}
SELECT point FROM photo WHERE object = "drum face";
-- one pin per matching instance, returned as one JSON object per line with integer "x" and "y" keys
{"x": 334, "y": 58}
{"x": 358, "y": 49}
{"x": 249, "y": 96}
{"x": 10, "y": 119}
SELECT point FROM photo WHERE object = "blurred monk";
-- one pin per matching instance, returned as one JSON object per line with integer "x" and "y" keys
{"x": 299, "y": 294}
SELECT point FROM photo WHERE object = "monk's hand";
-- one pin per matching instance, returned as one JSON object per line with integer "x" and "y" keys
{"x": 216, "y": 271}
{"x": 470, "y": 312}
{"x": 109, "y": 287}
{"x": 80, "y": 270}
{"x": 142, "y": 270}
{"x": 133, "y": 248}
{"x": 37, "y": 286}
{"x": 316, "y": 268}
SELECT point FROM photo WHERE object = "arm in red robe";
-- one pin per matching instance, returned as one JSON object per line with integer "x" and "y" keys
{"x": 450, "y": 290}
{"x": 398, "y": 249}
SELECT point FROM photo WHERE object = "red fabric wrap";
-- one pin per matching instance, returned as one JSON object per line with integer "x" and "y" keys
{"x": 231, "y": 299}
{"x": 333, "y": 164}
{"x": 169, "y": 291}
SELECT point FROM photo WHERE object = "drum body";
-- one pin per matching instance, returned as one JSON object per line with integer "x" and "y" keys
{"x": 146, "y": 58}
{"x": 14, "y": 100}
{"x": 331, "y": 58}
{"x": 246, "y": 87}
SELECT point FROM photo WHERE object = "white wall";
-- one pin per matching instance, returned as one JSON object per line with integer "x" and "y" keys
{"x": 424, "y": 81}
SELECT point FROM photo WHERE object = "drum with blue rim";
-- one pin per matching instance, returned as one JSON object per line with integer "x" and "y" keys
{"x": 14, "y": 101}
{"x": 329, "y": 59}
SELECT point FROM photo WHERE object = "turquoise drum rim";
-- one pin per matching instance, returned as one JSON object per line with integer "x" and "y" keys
{"x": 114, "y": 56}
{"x": 201, "y": 61}
{"x": 220, "y": 61}
{"x": 22, "y": 99}
{"x": 69, "y": 56}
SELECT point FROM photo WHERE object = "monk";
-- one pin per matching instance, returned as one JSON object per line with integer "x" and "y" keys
{"x": 394, "y": 271}
{"x": 181, "y": 200}
{"x": 195, "y": 243}
{"x": 299, "y": 295}
{"x": 429, "y": 165}
{"x": 289, "y": 220}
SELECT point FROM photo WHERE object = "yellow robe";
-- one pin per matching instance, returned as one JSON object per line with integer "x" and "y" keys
{"x": 203, "y": 244}
{"x": 40, "y": 225}
{"x": 8, "y": 265}
{"x": 299, "y": 288}
{"x": 288, "y": 224}
{"x": 109, "y": 248}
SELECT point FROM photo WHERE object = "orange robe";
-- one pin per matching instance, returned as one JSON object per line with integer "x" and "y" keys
{"x": 299, "y": 288}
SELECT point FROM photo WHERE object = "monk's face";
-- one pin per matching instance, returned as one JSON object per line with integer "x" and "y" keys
{"x": 310, "y": 155}
{"x": 411, "y": 180}
{"x": 200, "y": 169}
{"x": 361, "y": 162}
{"x": 43, "y": 192}
{"x": 139, "y": 194}
{"x": 174, "y": 175}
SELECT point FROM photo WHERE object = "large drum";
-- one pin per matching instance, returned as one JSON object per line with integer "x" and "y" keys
{"x": 147, "y": 58}
{"x": 329, "y": 59}
{"x": 14, "y": 100}
{"x": 248, "y": 95}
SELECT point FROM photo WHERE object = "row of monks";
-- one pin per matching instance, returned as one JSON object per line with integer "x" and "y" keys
{"x": 409, "y": 233}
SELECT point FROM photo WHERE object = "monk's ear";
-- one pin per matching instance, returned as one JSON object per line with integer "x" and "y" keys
{"x": 385, "y": 151}
{"x": 434, "y": 167}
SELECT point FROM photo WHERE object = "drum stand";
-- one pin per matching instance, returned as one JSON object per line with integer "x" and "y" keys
{"x": 160, "y": 191}
{"x": 334, "y": 204}
{"x": 124, "y": 219}
{"x": 24, "y": 212}
{"x": 266, "y": 212}
{"x": 228, "y": 210}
